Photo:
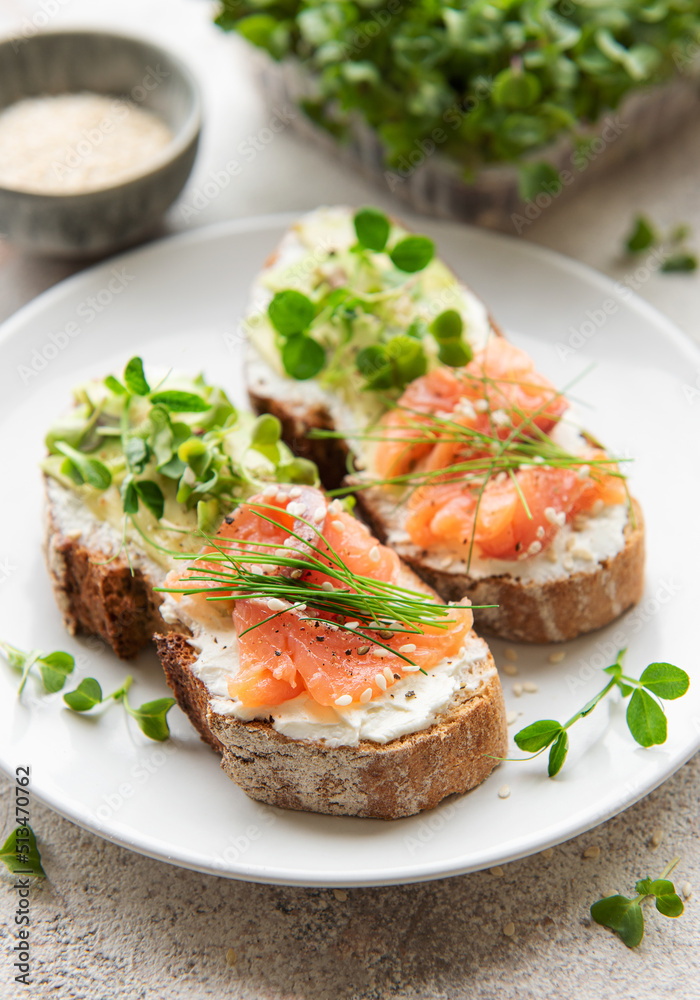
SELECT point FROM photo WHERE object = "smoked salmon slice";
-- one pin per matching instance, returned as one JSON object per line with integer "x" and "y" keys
{"x": 287, "y": 647}
{"x": 451, "y": 417}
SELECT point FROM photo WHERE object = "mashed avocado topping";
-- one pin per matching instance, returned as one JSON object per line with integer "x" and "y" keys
{"x": 364, "y": 306}
{"x": 160, "y": 463}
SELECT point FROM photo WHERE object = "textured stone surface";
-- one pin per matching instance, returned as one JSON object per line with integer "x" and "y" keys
{"x": 111, "y": 924}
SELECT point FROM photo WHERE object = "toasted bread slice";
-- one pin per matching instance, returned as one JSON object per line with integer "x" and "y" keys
{"x": 559, "y": 606}
{"x": 384, "y": 781}
{"x": 98, "y": 591}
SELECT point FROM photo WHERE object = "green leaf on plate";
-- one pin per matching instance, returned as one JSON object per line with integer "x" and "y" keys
{"x": 87, "y": 694}
{"x": 646, "y": 719}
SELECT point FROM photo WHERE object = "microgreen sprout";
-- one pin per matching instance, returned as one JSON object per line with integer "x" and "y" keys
{"x": 624, "y": 915}
{"x": 646, "y": 718}
{"x": 21, "y": 848}
{"x": 54, "y": 669}
{"x": 150, "y": 717}
{"x": 677, "y": 257}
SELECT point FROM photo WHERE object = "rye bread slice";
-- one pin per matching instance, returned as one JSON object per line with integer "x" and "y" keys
{"x": 527, "y": 611}
{"x": 97, "y": 593}
{"x": 383, "y": 781}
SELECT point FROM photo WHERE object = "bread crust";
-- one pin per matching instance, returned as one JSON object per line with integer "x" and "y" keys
{"x": 100, "y": 597}
{"x": 551, "y": 611}
{"x": 382, "y": 781}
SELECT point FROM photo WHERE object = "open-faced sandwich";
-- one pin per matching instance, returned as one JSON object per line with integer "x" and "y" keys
{"x": 329, "y": 677}
{"x": 383, "y": 366}
{"x": 132, "y": 471}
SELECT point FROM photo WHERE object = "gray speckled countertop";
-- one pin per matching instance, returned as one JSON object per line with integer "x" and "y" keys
{"x": 112, "y": 924}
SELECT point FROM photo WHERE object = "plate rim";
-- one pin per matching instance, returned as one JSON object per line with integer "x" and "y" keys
{"x": 403, "y": 874}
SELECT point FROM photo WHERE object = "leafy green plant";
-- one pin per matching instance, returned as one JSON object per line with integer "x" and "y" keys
{"x": 150, "y": 717}
{"x": 677, "y": 256}
{"x": 21, "y": 848}
{"x": 624, "y": 915}
{"x": 645, "y": 714}
{"x": 54, "y": 669}
{"x": 483, "y": 82}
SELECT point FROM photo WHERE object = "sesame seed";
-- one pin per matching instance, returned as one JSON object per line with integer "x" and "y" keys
{"x": 504, "y": 791}
{"x": 511, "y": 670}
{"x": 540, "y": 532}
{"x": 530, "y": 687}
{"x": 345, "y": 699}
{"x": 517, "y": 690}
{"x": 231, "y": 958}
{"x": 335, "y": 507}
{"x": 592, "y": 852}
{"x": 351, "y": 624}
{"x": 511, "y": 717}
{"x": 296, "y": 574}
{"x": 295, "y": 492}
{"x": 552, "y": 555}
{"x": 548, "y": 853}
{"x": 388, "y": 673}
{"x": 318, "y": 515}
{"x": 366, "y": 696}
{"x": 687, "y": 890}
{"x": 497, "y": 872}
{"x": 656, "y": 837}
{"x": 510, "y": 653}
{"x": 509, "y": 929}
{"x": 361, "y": 650}
{"x": 584, "y": 472}
{"x": 568, "y": 563}
{"x": 274, "y": 604}
{"x": 408, "y": 647}
{"x": 582, "y": 553}
{"x": 340, "y": 894}
{"x": 338, "y": 525}
{"x": 295, "y": 509}
{"x": 571, "y": 543}
{"x": 258, "y": 570}
{"x": 282, "y": 495}
{"x": 380, "y": 651}
{"x": 327, "y": 586}
{"x": 374, "y": 554}
{"x": 410, "y": 668}
{"x": 550, "y": 514}
{"x": 481, "y": 405}
{"x": 579, "y": 522}
{"x": 500, "y": 418}
{"x": 534, "y": 548}
{"x": 269, "y": 491}
{"x": 380, "y": 681}
{"x": 557, "y": 657}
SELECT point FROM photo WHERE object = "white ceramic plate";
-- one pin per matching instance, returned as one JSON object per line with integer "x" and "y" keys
{"x": 177, "y": 303}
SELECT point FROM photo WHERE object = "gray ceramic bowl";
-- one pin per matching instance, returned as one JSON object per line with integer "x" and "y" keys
{"x": 100, "y": 221}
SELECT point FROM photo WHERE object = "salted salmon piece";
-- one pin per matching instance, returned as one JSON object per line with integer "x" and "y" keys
{"x": 498, "y": 391}
{"x": 281, "y": 651}
{"x": 446, "y": 514}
